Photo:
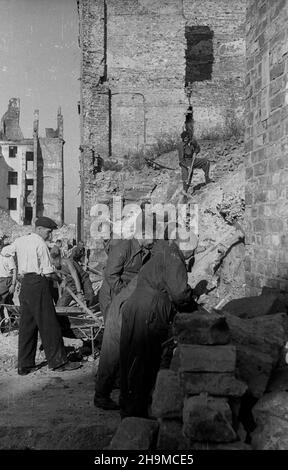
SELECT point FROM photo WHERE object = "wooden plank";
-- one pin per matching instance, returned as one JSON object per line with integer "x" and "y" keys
{"x": 82, "y": 318}
{"x": 69, "y": 310}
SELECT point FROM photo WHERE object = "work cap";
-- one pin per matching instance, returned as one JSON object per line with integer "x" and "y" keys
{"x": 184, "y": 134}
{"x": 46, "y": 222}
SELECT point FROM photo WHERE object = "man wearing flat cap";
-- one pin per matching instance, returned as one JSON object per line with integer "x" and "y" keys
{"x": 37, "y": 311}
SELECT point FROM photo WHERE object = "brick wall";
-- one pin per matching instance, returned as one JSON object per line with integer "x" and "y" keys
{"x": 267, "y": 145}
{"x": 137, "y": 56}
{"x": 217, "y": 98}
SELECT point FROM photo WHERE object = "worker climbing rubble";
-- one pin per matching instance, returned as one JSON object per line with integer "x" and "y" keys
{"x": 188, "y": 150}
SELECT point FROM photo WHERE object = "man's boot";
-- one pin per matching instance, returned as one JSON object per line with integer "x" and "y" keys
{"x": 106, "y": 403}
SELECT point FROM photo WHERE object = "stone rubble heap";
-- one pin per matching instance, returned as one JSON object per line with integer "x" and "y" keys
{"x": 221, "y": 368}
{"x": 202, "y": 372}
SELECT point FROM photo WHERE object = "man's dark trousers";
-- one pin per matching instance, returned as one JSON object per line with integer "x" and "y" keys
{"x": 37, "y": 312}
{"x": 109, "y": 365}
{"x": 109, "y": 361}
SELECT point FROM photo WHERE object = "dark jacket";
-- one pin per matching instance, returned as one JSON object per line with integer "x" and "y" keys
{"x": 123, "y": 263}
{"x": 166, "y": 272}
{"x": 186, "y": 151}
{"x": 162, "y": 289}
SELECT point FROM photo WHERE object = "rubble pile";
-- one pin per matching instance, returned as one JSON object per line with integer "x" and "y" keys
{"x": 66, "y": 232}
{"x": 220, "y": 205}
{"x": 232, "y": 207}
{"x": 271, "y": 418}
{"x": 259, "y": 330}
{"x": 224, "y": 389}
{"x": 204, "y": 368}
{"x": 10, "y": 228}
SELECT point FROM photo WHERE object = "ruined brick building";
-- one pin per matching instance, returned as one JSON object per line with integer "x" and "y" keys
{"x": 138, "y": 58}
{"x": 31, "y": 169}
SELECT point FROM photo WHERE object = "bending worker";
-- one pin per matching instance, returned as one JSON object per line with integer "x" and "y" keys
{"x": 162, "y": 287}
{"x": 8, "y": 279}
{"x": 75, "y": 278}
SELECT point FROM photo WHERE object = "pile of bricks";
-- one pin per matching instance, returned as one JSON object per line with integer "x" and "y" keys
{"x": 223, "y": 364}
{"x": 193, "y": 400}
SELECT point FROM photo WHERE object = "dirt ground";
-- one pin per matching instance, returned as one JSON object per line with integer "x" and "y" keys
{"x": 50, "y": 410}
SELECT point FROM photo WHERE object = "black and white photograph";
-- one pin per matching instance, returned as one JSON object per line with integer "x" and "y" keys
{"x": 143, "y": 230}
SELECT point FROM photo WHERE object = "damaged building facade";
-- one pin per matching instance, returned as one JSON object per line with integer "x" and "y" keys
{"x": 267, "y": 145}
{"x": 31, "y": 169}
{"x": 141, "y": 62}
{"x": 139, "y": 58}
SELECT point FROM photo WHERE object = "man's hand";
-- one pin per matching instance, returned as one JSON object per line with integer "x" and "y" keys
{"x": 184, "y": 166}
{"x": 12, "y": 289}
{"x": 81, "y": 297}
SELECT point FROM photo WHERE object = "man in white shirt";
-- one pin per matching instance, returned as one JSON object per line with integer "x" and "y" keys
{"x": 7, "y": 280}
{"x": 37, "y": 310}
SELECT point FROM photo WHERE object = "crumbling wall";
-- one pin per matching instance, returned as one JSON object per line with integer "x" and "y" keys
{"x": 266, "y": 145}
{"x": 95, "y": 99}
{"x": 43, "y": 171}
{"x": 137, "y": 58}
{"x": 215, "y": 60}
{"x": 50, "y": 188}
{"x": 146, "y": 66}
{"x": 10, "y": 127}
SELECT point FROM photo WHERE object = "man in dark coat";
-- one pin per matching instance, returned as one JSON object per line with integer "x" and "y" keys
{"x": 125, "y": 259}
{"x": 161, "y": 289}
{"x": 123, "y": 263}
{"x": 108, "y": 369}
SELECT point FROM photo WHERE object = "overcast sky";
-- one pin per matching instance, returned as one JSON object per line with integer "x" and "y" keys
{"x": 40, "y": 64}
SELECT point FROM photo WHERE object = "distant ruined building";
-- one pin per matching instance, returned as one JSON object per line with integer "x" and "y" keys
{"x": 31, "y": 169}
{"x": 139, "y": 58}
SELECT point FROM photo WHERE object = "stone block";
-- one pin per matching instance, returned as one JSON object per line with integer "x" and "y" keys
{"x": 222, "y": 385}
{"x": 271, "y": 434}
{"x": 170, "y": 434}
{"x": 266, "y": 334}
{"x": 282, "y": 296}
{"x": 168, "y": 396}
{"x": 250, "y": 307}
{"x": 278, "y": 380}
{"x": 207, "y": 419}
{"x": 254, "y": 368}
{"x": 135, "y": 434}
{"x": 201, "y": 328}
{"x": 274, "y": 403}
{"x": 194, "y": 358}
